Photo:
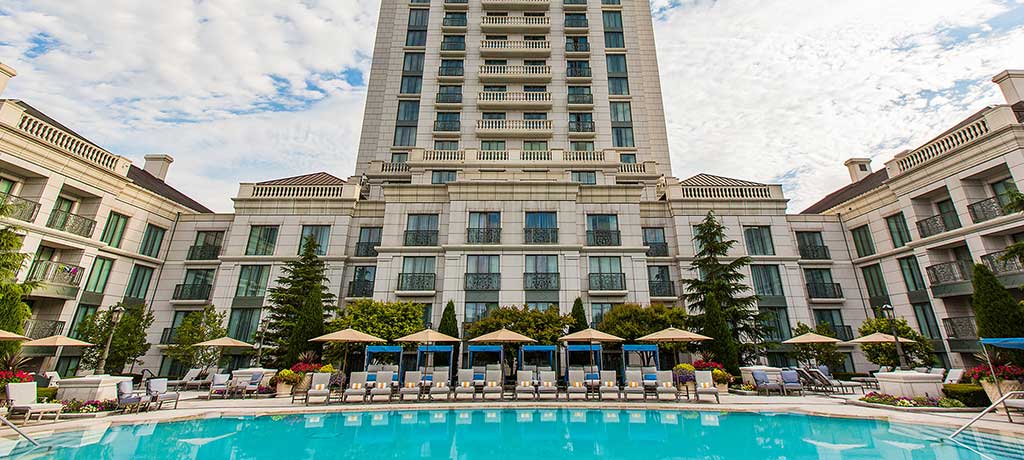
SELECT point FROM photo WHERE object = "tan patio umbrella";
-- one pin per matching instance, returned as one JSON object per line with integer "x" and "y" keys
{"x": 11, "y": 337}
{"x": 810, "y": 338}
{"x": 671, "y": 335}
{"x": 56, "y": 341}
{"x": 347, "y": 337}
{"x": 427, "y": 336}
{"x": 879, "y": 337}
{"x": 590, "y": 335}
{"x": 502, "y": 336}
{"x": 224, "y": 342}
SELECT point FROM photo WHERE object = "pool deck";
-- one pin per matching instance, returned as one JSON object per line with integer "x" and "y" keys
{"x": 191, "y": 407}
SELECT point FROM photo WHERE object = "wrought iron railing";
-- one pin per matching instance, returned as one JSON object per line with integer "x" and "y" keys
{"x": 192, "y": 291}
{"x": 447, "y": 125}
{"x": 995, "y": 262}
{"x": 540, "y": 281}
{"x": 662, "y": 288}
{"x": 986, "y": 209}
{"x": 416, "y": 281}
{"x": 604, "y": 238}
{"x": 540, "y": 235}
{"x": 367, "y": 248}
{"x": 581, "y": 126}
{"x": 960, "y": 327}
{"x": 71, "y": 223}
{"x": 455, "y": 21}
{"x": 577, "y": 22}
{"x": 824, "y": 291}
{"x": 204, "y": 252}
{"x": 483, "y": 281}
{"x": 483, "y": 235}
{"x": 449, "y": 98}
{"x": 38, "y": 328}
{"x": 56, "y": 272}
{"x": 451, "y": 71}
{"x": 657, "y": 249}
{"x": 581, "y": 98}
{"x": 938, "y": 223}
{"x": 578, "y": 72}
{"x": 814, "y": 252}
{"x": 607, "y": 281}
{"x": 577, "y": 47}
{"x": 421, "y": 237}
{"x": 21, "y": 208}
{"x": 949, "y": 272}
{"x": 360, "y": 288}
{"x": 453, "y": 46}
{"x": 841, "y": 332}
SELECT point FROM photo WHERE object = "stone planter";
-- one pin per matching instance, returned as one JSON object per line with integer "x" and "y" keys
{"x": 284, "y": 390}
{"x": 723, "y": 388}
{"x": 1005, "y": 386}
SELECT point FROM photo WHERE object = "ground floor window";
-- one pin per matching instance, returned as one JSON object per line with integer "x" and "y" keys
{"x": 67, "y": 365}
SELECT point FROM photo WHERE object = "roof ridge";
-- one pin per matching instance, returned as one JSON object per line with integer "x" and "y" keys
{"x": 317, "y": 178}
{"x": 705, "y": 179}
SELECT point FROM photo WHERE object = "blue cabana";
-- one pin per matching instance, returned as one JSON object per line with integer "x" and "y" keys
{"x": 549, "y": 350}
{"x": 1012, "y": 342}
{"x": 644, "y": 348}
{"x": 473, "y": 349}
{"x": 424, "y": 350}
{"x": 594, "y": 349}
{"x": 382, "y": 349}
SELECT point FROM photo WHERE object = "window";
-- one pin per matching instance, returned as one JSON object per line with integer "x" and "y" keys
{"x": 418, "y": 265}
{"x": 83, "y": 311}
{"x": 1003, "y": 189}
{"x": 654, "y": 235}
{"x": 369, "y": 234}
{"x": 818, "y": 275}
{"x": 602, "y": 222}
{"x": 658, "y": 273}
{"x": 492, "y": 145}
{"x": 541, "y": 264}
{"x": 416, "y": 38}
{"x": 912, "y": 274}
{"x": 627, "y": 158}
{"x": 535, "y": 89}
{"x": 612, "y": 20}
{"x": 243, "y": 324}
{"x": 484, "y": 220}
{"x": 475, "y": 311}
{"x": 99, "y": 275}
{"x": 6, "y": 186}
{"x": 493, "y": 115}
{"x": 413, "y": 64}
{"x": 262, "y": 239}
{"x": 367, "y": 273}
{"x": 442, "y": 177}
{"x": 114, "y": 230}
{"x": 202, "y": 276}
{"x": 777, "y": 323}
{"x": 422, "y": 222}
{"x": 616, "y": 63}
{"x": 446, "y": 145}
{"x": 759, "y": 241}
{"x": 605, "y": 264}
{"x": 411, "y": 84}
{"x": 483, "y": 264}
{"x": 453, "y": 43}
{"x": 622, "y": 137}
{"x": 418, "y": 19}
{"x": 252, "y": 280}
{"x": 621, "y": 112}
{"x": 581, "y": 146}
{"x": 767, "y": 281}
{"x": 421, "y": 230}
{"x": 451, "y": 68}
{"x": 618, "y": 86}
{"x": 535, "y": 146}
{"x": 152, "y": 240}
{"x": 408, "y": 111}
{"x": 811, "y": 245}
{"x": 535, "y": 116}
{"x": 898, "y": 230}
{"x": 321, "y": 235}
{"x": 584, "y": 177}
{"x": 399, "y": 157}
{"x": 862, "y": 241}
{"x": 926, "y": 320}
{"x": 875, "y": 283}
{"x": 405, "y": 136}
{"x": 138, "y": 282}
{"x": 597, "y": 312}
{"x": 541, "y": 220}
{"x": 948, "y": 212}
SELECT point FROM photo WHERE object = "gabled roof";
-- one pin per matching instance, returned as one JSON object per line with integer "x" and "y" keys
{"x": 709, "y": 180}
{"x": 319, "y": 178}
{"x": 871, "y": 182}
{"x": 149, "y": 182}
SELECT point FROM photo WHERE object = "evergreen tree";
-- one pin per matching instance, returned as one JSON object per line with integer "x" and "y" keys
{"x": 128, "y": 341}
{"x": 996, "y": 314}
{"x": 300, "y": 305}
{"x": 449, "y": 325}
{"x": 579, "y": 317}
{"x": 723, "y": 348}
{"x": 721, "y": 284}
{"x": 199, "y": 326}
{"x": 13, "y": 309}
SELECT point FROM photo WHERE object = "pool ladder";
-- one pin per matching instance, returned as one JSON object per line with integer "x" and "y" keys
{"x": 16, "y": 430}
{"x": 989, "y": 409}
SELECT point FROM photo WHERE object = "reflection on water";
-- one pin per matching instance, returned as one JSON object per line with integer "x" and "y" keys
{"x": 548, "y": 434}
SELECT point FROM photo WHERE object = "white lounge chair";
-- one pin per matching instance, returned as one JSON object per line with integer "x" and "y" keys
{"x": 634, "y": 386}
{"x": 319, "y": 387}
{"x": 157, "y": 390}
{"x": 705, "y": 385}
{"x": 525, "y": 389}
{"x": 412, "y": 387}
{"x": 609, "y": 385}
{"x": 494, "y": 387}
{"x": 191, "y": 376}
{"x": 953, "y": 376}
{"x": 22, "y": 397}
{"x": 382, "y": 386}
{"x": 666, "y": 389}
{"x": 576, "y": 385}
{"x": 220, "y": 382}
{"x": 356, "y": 388}
{"x": 547, "y": 387}
{"x": 465, "y": 384}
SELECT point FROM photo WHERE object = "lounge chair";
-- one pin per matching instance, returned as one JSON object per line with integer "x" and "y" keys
{"x": 833, "y": 384}
{"x": 705, "y": 385}
{"x": 156, "y": 389}
{"x": 129, "y": 400}
{"x": 382, "y": 386}
{"x": 576, "y": 386}
{"x": 953, "y": 376}
{"x": 356, "y": 387}
{"x": 525, "y": 387}
{"x": 22, "y": 399}
{"x": 665, "y": 389}
{"x": 205, "y": 381}
{"x": 649, "y": 374}
{"x": 634, "y": 386}
{"x": 252, "y": 386}
{"x": 219, "y": 382}
{"x": 191, "y": 376}
{"x": 442, "y": 373}
{"x": 791, "y": 382}
{"x": 319, "y": 387}
{"x": 412, "y": 387}
{"x": 547, "y": 385}
{"x": 592, "y": 377}
{"x": 466, "y": 384}
{"x": 493, "y": 386}
{"x": 438, "y": 388}
{"x": 479, "y": 376}
{"x": 762, "y": 383}
{"x": 609, "y": 385}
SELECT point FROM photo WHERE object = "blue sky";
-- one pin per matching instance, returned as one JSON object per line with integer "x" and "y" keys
{"x": 767, "y": 90}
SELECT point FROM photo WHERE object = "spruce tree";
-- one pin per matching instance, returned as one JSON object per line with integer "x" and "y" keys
{"x": 300, "y": 305}
{"x": 995, "y": 312}
{"x": 13, "y": 309}
{"x": 449, "y": 325}
{"x": 579, "y": 317}
{"x": 723, "y": 348}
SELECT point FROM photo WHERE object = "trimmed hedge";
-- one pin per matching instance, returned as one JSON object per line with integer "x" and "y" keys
{"x": 46, "y": 394}
{"x": 848, "y": 375}
{"x": 970, "y": 395}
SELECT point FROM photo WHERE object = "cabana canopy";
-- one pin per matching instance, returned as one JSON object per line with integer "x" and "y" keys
{"x": 1008, "y": 342}
{"x": 590, "y": 335}
{"x": 422, "y": 350}
{"x": 811, "y": 337}
{"x": 224, "y": 342}
{"x": 671, "y": 334}
{"x": 548, "y": 349}
{"x": 641, "y": 348}
{"x": 594, "y": 350}
{"x": 381, "y": 349}
{"x": 485, "y": 349}
{"x": 56, "y": 341}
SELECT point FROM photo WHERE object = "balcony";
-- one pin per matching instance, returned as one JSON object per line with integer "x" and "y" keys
{"x": 540, "y": 281}
{"x": 578, "y": 73}
{"x": 577, "y": 23}
{"x": 581, "y": 128}
{"x": 540, "y": 235}
{"x": 71, "y": 223}
{"x": 607, "y": 282}
{"x": 995, "y": 262}
{"x": 950, "y": 279}
{"x": 448, "y": 99}
{"x": 454, "y": 23}
{"x": 203, "y": 252}
{"x": 515, "y": 128}
{"x": 168, "y": 336}
{"x": 451, "y": 72}
{"x": 456, "y": 5}
{"x": 360, "y": 288}
{"x": 577, "y": 48}
{"x": 416, "y": 282}
{"x": 515, "y": 73}
{"x": 515, "y": 48}
{"x": 574, "y": 4}
{"x": 661, "y": 289}
{"x": 962, "y": 334}
{"x": 604, "y": 238}
{"x": 504, "y": 5}
{"x": 657, "y": 249}
{"x": 514, "y": 99}
{"x": 453, "y": 48}
{"x": 21, "y": 209}
{"x": 824, "y": 291}
{"x": 524, "y": 24}
{"x": 581, "y": 99}
{"x": 39, "y": 328}
{"x": 421, "y": 237}
{"x": 192, "y": 292}
{"x": 841, "y": 332}
{"x": 447, "y": 126}
{"x": 939, "y": 223}
{"x": 814, "y": 252}
{"x": 55, "y": 273}
{"x": 367, "y": 248}
{"x": 483, "y": 281}
{"x": 986, "y": 209}
{"x": 483, "y": 235}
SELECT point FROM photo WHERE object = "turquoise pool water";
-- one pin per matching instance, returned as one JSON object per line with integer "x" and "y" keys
{"x": 521, "y": 434}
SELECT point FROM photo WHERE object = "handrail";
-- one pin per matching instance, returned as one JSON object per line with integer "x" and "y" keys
{"x": 17, "y": 430}
{"x": 989, "y": 409}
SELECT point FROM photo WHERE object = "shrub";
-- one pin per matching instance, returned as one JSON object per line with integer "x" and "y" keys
{"x": 683, "y": 372}
{"x": 46, "y": 394}
{"x": 1004, "y": 372}
{"x": 702, "y": 365}
{"x": 969, "y": 395}
{"x": 14, "y": 377}
{"x": 288, "y": 376}
{"x": 302, "y": 368}
{"x": 327, "y": 368}
{"x": 76, "y": 406}
{"x": 848, "y": 375}
{"x": 889, "y": 400}
{"x": 721, "y": 377}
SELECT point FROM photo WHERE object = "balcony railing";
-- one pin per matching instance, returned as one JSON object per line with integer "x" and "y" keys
{"x": 514, "y": 126}
{"x": 453, "y": 46}
{"x": 540, "y": 281}
{"x": 607, "y": 281}
{"x": 21, "y": 208}
{"x": 938, "y": 224}
{"x": 581, "y": 126}
{"x": 960, "y": 327}
{"x": 521, "y": 4}
{"x": 39, "y": 328}
{"x": 574, "y": 2}
{"x": 515, "y": 46}
{"x": 367, "y": 248}
{"x": 192, "y": 292}
{"x": 421, "y": 237}
{"x": 814, "y": 252}
{"x": 168, "y": 336}
{"x": 841, "y": 332}
{"x": 661, "y": 288}
{"x": 483, "y": 281}
{"x": 577, "y": 47}
{"x": 56, "y": 273}
{"x": 448, "y": 98}
{"x": 583, "y": 99}
{"x": 511, "y": 72}
{"x": 824, "y": 291}
{"x": 540, "y": 235}
{"x": 513, "y": 97}
{"x": 949, "y": 272}
{"x": 604, "y": 238}
{"x": 657, "y": 249}
{"x": 459, "y": 21}
{"x": 456, "y": 2}
{"x": 71, "y": 223}
{"x": 986, "y": 209}
{"x": 515, "y": 21}
{"x": 451, "y": 71}
{"x": 995, "y": 262}
{"x": 360, "y": 288}
{"x": 483, "y": 235}
{"x": 447, "y": 125}
{"x": 203, "y": 252}
{"x": 578, "y": 72}
{"x": 577, "y": 23}
{"x": 416, "y": 281}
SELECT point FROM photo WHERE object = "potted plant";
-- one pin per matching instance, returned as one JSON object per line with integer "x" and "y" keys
{"x": 286, "y": 379}
{"x": 1010, "y": 379}
{"x": 722, "y": 380}
{"x": 683, "y": 374}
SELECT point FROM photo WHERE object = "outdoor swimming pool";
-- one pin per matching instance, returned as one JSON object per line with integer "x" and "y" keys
{"x": 520, "y": 434}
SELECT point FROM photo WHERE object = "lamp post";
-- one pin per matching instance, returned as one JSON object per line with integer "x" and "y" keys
{"x": 115, "y": 317}
{"x": 890, "y": 314}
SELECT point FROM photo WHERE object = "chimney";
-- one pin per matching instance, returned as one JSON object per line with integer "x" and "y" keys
{"x": 6, "y": 73}
{"x": 859, "y": 168}
{"x": 157, "y": 164}
{"x": 1011, "y": 82}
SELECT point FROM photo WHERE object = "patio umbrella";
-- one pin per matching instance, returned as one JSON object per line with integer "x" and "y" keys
{"x": 879, "y": 337}
{"x": 502, "y": 336}
{"x": 56, "y": 341}
{"x": 346, "y": 337}
{"x": 222, "y": 343}
{"x": 671, "y": 335}
{"x": 11, "y": 337}
{"x": 811, "y": 337}
{"x": 590, "y": 335}
{"x": 427, "y": 336}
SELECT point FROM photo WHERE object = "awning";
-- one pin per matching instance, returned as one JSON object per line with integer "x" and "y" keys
{"x": 1008, "y": 342}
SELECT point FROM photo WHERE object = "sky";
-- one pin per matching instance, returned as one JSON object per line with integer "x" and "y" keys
{"x": 777, "y": 91}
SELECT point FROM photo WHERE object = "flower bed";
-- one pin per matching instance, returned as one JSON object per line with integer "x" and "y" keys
{"x": 889, "y": 400}
{"x": 983, "y": 373}
{"x": 14, "y": 377}
{"x": 75, "y": 406}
